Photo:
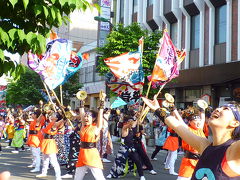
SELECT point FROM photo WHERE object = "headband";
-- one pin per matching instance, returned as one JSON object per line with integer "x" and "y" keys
{"x": 234, "y": 110}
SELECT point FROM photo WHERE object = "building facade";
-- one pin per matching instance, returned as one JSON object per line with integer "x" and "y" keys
{"x": 209, "y": 30}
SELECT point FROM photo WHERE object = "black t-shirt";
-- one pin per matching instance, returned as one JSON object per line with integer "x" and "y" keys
{"x": 209, "y": 164}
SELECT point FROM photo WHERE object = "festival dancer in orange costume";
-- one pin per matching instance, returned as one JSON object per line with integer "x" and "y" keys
{"x": 49, "y": 147}
{"x": 34, "y": 138}
{"x": 89, "y": 157}
{"x": 172, "y": 146}
{"x": 190, "y": 159}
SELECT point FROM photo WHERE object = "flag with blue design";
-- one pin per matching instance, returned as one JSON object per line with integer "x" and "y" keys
{"x": 58, "y": 63}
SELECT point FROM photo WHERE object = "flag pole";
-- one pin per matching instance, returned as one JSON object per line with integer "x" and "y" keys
{"x": 60, "y": 105}
{"x": 61, "y": 94}
{"x": 50, "y": 99}
{"x": 142, "y": 116}
{"x": 161, "y": 89}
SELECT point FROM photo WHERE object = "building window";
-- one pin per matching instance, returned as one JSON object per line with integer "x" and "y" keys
{"x": 89, "y": 74}
{"x": 193, "y": 93}
{"x": 121, "y": 8}
{"x": 149, "y": 2}
{"x": 195, "y": 32}
{"x": 135, "y": 6}
{"x": 173, "y": 33}
{"x": 82, "y": 75}
{"x": 221, "y": 22}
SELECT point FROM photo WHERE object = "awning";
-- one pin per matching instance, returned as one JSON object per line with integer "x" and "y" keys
{"x": 208, "y": 75}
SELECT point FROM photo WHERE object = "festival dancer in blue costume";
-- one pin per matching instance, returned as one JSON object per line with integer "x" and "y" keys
{"x": 220, "y": 159}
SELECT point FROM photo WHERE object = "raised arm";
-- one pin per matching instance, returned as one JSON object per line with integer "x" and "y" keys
{"x": 176, "y": 122}
{"x": 100, "y": 112}
{"x": 81, "y": 110}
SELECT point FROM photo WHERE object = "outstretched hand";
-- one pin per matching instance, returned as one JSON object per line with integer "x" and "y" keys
{"x": 152, "y": 104}
{"x": 102, "y": 96}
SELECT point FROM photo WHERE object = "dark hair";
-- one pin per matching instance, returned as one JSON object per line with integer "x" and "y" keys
{"x": 105, "y": 110}
{"x": 236, "y": 131}
{"x": 93, "y": 113}
{"x": 59, "y": 116}
{"x": 37, "y": 112}
{"x": 127, "y": 117}
{"x": 192, "y": 117}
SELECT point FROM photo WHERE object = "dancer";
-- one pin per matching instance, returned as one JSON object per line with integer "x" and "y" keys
{"x": 34, "y": 139}
{"x": 161, "y": 136}
{"x": 48, "y": 146}
{"x": 60, "y": 141}
{"x": 220, "y": 159}
{"x": 171, "y": 144}
{"x": 126, "y": 152}
{"x": 138, "y": 145}
{"x": 2, "y": 127}
{"x": 10, "y": 129}
{"x": 89, "y": 157}
{"x": 196, "y": 123}
{"x": 19, "y": 135}
{"x": 73, "y": 153}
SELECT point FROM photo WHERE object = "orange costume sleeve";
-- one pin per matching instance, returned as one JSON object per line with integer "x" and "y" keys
{"x": 90, "y": 156}
{"x": 49, "y": 146}
{"x": 188, "y": 165}
{"x": 206, "y": 129}
{"x": 171, "y": 142}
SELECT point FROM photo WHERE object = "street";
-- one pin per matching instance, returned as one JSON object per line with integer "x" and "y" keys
{"x": 17, "y": 165}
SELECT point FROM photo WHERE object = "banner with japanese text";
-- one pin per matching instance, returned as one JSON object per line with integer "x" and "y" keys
{"x": 167, "y": 62}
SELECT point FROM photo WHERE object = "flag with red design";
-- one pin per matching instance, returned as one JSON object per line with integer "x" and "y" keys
{"x": 168, "y": 60}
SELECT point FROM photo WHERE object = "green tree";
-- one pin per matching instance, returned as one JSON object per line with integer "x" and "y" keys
{"x": 124, "y": 39}
{"x": 24, "y": 25}
{"x": 25, "y": 91}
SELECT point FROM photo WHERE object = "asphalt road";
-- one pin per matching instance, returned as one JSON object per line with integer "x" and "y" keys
{"x": 17, "y": 165}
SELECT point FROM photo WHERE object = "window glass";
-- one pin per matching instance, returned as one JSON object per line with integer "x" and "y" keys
{"x": 135, "y": 6}
{"x": 89, "y": 74}
{"x": 121, "y": 8}
{"x": 173, "y": 33}
{"x": 221, "y": 22}
{"x": 82, "y": 75}
{"x": 149, "y": 2}
{"x": 195, "y": 31}
{"x": 193, "y": 93}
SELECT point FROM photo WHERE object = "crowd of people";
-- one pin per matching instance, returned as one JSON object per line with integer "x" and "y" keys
{"x": 84, "y": 140}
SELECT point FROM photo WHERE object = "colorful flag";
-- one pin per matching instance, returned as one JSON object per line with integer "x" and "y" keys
{"x": 127, "y": 67}
{"x": 130, "y": 94}
{"x": 168, "y": 60}
{"x": 57, "y": 64}
{"x": 118, "y": 102}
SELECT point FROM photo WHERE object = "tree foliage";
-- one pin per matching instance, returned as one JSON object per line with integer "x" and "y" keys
{"x": 124, "y": 39}
{"x": 25, "y": 91}
{"x": 25, "y": 24}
